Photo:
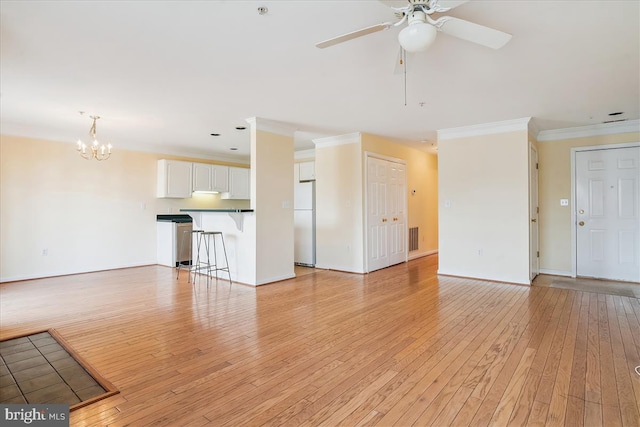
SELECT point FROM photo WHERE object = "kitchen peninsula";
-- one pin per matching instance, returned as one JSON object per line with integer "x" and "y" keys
{"x": 238, "y": 229}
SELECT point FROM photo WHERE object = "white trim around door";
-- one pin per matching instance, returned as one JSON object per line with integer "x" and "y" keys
{"x": 574, "y": 207}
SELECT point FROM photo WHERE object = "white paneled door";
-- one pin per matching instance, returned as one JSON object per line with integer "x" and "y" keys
{"x": 607, "y": 213}
{"x": 386, "y": 213}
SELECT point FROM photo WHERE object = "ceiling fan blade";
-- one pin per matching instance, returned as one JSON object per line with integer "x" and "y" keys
{"x": 353, "y": 35}
{"x": 475, "y": 33}
{"x": 449, "y": 4}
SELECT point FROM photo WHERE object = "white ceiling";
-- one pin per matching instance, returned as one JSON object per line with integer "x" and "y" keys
{"x": 164, "y": 75}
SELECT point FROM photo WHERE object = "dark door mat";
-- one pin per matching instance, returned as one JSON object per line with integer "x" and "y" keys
{"x": 43, "y": 368}
{"x": 599, "y": 287}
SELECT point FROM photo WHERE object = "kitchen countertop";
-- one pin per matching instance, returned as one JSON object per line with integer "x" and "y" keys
{"x": 216, "y": 210}
{"x": 173, "y": 218}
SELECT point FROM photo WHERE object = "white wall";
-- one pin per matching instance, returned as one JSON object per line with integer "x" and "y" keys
{"x": 483, "y": 207}
{"x": 85, "y": 215}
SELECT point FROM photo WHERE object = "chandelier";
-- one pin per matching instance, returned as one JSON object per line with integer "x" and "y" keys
{"x": 95, "y": 150}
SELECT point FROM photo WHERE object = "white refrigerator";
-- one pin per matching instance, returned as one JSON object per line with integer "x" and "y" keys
{"x": 304, "y": 222}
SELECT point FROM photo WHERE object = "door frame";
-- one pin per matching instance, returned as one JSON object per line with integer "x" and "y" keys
{"x": 366, "y": 156}
{"x": 574, "y": 229}
{"x": 534, "y": 184}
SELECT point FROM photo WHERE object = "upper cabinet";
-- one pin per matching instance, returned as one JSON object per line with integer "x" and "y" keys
{"x": 307, "y": 171}
{"x": 239, "y": 187}
{"x": 174, "y": 179}
{"x": 210, "y": 178}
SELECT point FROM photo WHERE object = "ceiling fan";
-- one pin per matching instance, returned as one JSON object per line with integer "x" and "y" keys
{"x": 421, "y": 30}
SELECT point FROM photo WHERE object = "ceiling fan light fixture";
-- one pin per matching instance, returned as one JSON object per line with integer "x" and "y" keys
{"x": 417, "y": 36}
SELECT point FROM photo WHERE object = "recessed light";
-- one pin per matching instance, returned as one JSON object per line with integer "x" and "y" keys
{"x": 233, "y": 149}
{"x": 215, "y": 134}
{"x": 616, "y": 113}
{"x": 240, "y": 127}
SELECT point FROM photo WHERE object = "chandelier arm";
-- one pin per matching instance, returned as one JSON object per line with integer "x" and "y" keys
{"x": 96, "y": 150}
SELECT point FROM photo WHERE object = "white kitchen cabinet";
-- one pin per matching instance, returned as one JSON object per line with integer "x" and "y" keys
{"x": 210, "y": 178}
{"x": 307, "y": 171}
{"x": 239, "y": 187}
{"x": 174, "y": 179}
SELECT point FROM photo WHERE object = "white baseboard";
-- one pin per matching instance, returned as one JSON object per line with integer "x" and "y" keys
{"x": 274, "y": 279}
{"x": 421, "y": 254}
{"x": 486, "y": 279}
{"x": 69, "y": 272}
{"x": 556, "y": 272}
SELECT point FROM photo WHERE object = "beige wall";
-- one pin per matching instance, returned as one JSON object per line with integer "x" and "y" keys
{"x": 422, "y": 176}
{"x": 272, "y": 198}
{"x": 340, "y": 209}
{"x": 554, "y": 158}
{"x": 87, "y": 215}
{"x": 484, "y": 207}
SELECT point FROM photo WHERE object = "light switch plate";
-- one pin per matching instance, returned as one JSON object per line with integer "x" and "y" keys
{"x": 564, "y": 202}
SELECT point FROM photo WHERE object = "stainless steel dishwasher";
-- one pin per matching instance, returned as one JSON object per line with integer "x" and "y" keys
{"x": 174, "y": 240}
{"x": 183, "y": 243}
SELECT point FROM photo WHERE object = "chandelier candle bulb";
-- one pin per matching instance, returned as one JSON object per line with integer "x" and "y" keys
{"x": 97, "y": 151}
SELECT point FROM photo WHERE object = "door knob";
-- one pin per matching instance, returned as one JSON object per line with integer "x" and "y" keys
{"x": 534, "y": 220}
{"x": 581, "y": 223}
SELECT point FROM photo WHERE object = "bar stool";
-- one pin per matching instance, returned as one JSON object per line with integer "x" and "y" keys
{"x": 187, "y": 238}
{"x": 208, "y": 237}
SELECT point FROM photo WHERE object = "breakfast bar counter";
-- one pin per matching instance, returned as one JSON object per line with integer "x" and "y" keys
{"x": 238, "y": 228}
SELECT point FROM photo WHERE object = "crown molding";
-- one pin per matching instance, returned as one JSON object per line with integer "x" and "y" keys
{"x": 534, "y": 129}
{"x": 485, "y": 129}
{"x": 591, "y": 130}
{"x": 304, "y": 154}
{"x": 332, "y": 141}
{"x": 271, "y": 126}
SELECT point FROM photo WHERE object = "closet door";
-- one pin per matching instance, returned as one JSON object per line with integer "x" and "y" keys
{"x": 397, "y": 215}
{"x": 386, "y": 213}
{"x": 377, "y": 215}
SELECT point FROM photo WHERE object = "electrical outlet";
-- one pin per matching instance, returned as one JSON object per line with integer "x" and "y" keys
{"x": 45, "y": 252}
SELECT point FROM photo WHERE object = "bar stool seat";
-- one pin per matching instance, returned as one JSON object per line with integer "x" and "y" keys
{"x": 187, "y": 238}
{"x": 209, "y": 237}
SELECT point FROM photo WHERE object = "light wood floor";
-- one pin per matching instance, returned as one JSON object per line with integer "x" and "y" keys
{"x": 400, "y": 346}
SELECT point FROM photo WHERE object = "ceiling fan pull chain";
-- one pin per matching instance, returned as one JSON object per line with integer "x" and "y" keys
{"x": 404, "y": 67}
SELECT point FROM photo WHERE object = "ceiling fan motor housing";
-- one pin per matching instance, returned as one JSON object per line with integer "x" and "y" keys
{"x": 418, "y": 35}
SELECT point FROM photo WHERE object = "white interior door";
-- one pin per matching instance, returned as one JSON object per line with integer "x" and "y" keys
{"x": 386, "y": 213}
{"x": 607, "y": 213}
{"x": 534, "y": 255}
{"x": 397, "y": 222}
{"x": 377, "y": 214}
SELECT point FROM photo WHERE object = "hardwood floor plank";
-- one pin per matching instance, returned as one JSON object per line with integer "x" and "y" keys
{"x": 575, "y": 407}
{"x": 558, "y": 403}
{"x": 521, "y": 412}
{"x": 629, "y": 381}
{"x": 530, "y": 332}
{"x": 398, "y": 346}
